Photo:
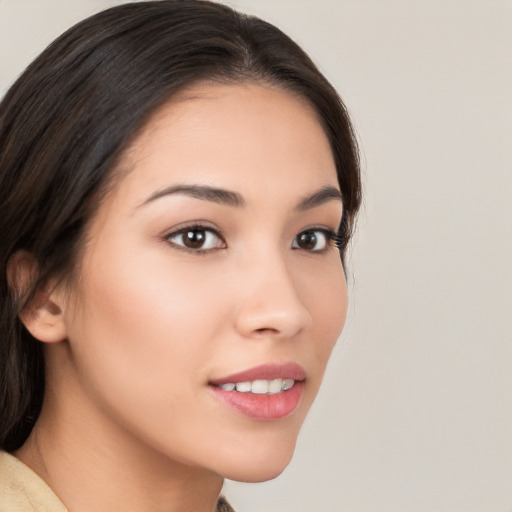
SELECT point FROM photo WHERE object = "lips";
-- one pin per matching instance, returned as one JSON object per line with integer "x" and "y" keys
{"x": 267, "y": 392}
{"x": 265, "y": 372}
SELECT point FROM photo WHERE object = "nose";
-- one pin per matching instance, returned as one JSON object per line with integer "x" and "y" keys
{"x": 270, "y": 304}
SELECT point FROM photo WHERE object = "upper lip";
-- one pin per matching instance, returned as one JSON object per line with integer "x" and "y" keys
{"x": 265, "y": 372}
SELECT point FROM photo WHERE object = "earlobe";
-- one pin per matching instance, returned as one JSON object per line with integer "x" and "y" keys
{"x": 42, "y": 315}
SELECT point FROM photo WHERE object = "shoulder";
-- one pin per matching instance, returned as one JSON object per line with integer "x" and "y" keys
{"x": 21, "y": 490}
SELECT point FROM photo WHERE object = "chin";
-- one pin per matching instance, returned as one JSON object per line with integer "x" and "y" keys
{"x": 259, "y": 476}
{"x": 258, "y": 467}
{"x": 256, "y": 474}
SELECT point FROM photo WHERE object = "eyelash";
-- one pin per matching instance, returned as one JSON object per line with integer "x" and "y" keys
{"x": 194, "y": 227}
{"x": 332, "y": 239}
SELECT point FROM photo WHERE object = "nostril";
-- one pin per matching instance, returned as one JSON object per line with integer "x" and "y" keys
{"x": 265, "y": 330}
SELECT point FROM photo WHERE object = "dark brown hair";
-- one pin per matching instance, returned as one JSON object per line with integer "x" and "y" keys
{"x": 68, "y": 118}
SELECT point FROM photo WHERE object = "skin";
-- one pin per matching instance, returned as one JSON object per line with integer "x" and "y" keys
{"x": 133, "y": 341}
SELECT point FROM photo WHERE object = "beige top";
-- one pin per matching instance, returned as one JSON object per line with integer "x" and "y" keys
{"x": 21, "y": 490}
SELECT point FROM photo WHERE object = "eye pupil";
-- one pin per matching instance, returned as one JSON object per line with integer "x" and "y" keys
{"x": 194, "y": 239}
{"x": 307, "y": 240}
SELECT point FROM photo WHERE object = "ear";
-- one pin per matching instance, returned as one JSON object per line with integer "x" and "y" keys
{"x": 43, "y": 314}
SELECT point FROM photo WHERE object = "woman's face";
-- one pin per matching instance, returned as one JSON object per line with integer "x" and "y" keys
{"x": 211, "y": 264}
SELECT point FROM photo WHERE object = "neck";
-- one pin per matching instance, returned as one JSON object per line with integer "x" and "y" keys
{"x": 91, "y": 465}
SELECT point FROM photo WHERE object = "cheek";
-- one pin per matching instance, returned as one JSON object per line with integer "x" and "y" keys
{"x": 327, "y": 298}
{"x": 142, "y": 348}
{"x": 143, "y": 327}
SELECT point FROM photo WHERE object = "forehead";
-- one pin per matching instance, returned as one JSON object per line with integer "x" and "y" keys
{"x": 237, "y": 136}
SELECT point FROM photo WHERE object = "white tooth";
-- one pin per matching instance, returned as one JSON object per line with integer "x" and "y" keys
{"x": 229, "y": 386}
{"x": 244, "y": 387}
{"x": 287, "y": 384}
{"x": 275, "y": 386}
{"x": 260, "y": 387}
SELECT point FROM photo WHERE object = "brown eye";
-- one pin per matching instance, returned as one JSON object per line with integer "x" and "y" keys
{"x": 196, "y": 238}
{"x": 313, "y": 240}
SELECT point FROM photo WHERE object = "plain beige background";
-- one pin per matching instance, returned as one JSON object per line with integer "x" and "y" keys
{"x": 416, "y": 411}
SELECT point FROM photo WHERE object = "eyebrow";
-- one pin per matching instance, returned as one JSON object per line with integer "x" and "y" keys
{"x": 322, "y": 196}
{"x": 230, "y": 198}
{"x": 204, "y": 192}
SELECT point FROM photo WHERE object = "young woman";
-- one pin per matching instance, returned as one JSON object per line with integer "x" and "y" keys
{"x": 178, "y": 186}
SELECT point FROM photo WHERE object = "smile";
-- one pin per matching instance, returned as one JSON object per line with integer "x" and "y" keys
{"x": 267, "y": 393}
{"x": 259, "y": 387}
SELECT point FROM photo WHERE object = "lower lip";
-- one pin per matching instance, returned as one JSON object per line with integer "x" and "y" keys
{"x": 263, "y": 407}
